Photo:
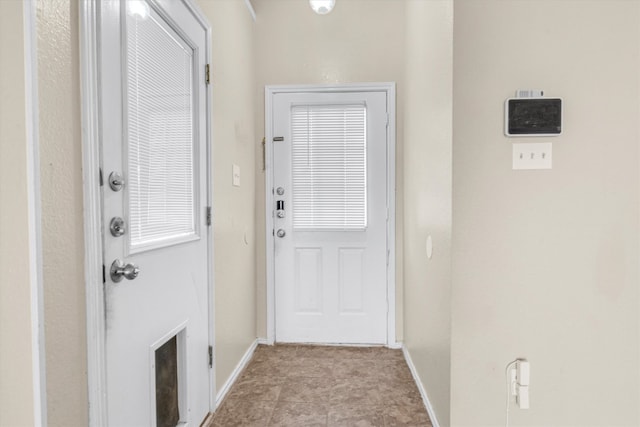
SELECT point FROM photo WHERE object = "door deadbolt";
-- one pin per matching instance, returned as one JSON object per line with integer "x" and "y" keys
{"x": 281, "y": 233}
{"x": 280, "y": 191}
{"x": 116, "y": 182}
{"x": 120, "y": 270}
{"x": 117, "y": 227}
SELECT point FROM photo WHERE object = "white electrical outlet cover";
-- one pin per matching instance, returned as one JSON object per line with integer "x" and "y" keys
{"x": 236, "y": 175}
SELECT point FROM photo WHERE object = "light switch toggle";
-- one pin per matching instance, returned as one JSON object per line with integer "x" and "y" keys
{"x": 532, "y": 155}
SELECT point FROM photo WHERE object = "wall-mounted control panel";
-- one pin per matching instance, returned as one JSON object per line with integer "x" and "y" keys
{"x": 532, "y": 114}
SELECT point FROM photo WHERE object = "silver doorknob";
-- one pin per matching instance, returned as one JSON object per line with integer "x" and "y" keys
{"x": 120, "y": 270}
{"x": 281, "y": 233}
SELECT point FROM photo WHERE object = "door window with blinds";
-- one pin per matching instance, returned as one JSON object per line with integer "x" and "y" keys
{"x": 329, "y": 167}
{"x": 160, "y": 134}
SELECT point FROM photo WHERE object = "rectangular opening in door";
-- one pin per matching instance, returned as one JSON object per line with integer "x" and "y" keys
{"x": 168, "y": 379}
{"x": 167, "y": 407}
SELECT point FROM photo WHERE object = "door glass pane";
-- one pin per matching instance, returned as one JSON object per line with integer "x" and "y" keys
{"x": 329, "y": 167}
{"x": 160, "y": 132}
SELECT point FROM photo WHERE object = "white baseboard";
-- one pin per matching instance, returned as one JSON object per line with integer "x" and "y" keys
{"x": 264, "y": 341}
{"x": 236, "y": 373}
{"x": 396, "y": 346}
{"x": 423, "y": 392}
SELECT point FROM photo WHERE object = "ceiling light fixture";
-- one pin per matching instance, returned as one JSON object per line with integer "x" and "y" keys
{"x": 322, "y": 7}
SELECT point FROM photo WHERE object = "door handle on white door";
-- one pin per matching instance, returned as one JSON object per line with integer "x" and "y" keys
{"x": 120, "y": 270}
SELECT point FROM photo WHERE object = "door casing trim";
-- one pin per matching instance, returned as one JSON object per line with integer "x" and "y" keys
{"x": 92, "y": 199}
{"x": 390, "y": 89}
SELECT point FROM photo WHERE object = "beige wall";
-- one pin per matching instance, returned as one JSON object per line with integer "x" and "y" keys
{"x": 359, "y": 41}
{"x": 427, "y": 195}
{"x": 16, "y": 375}
{"x": 545, "y": 263}
{"x": 62, "y": 219}
{"x": 233, "y": 207}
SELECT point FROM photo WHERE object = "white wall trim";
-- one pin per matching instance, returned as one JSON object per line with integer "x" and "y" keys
{"x": 236, "y": 373}
{"x": 390, "y": 89}
{"x": 263, "y": 341}
{"x": 89, "y": 95}
{"x": 252, "y": 11}
{"x": 34, "y": 212}
{"x": 391, "y": 221}
{"x": 202, "y": 19}
{"x": 423, "y": 391}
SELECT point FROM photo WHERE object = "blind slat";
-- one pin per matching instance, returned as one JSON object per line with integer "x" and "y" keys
{"x": 329, "y": 168}
{"x": 160, "y": 133}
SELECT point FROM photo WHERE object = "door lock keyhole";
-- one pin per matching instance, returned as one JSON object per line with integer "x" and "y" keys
{"x": 117, "y": 227}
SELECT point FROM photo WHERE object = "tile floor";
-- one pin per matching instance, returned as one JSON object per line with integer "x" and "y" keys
{"x": 303, "y": 386}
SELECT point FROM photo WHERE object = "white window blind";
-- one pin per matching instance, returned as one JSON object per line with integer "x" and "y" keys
{"x": 329, "y": 167}
{"x": 160, "y": 134}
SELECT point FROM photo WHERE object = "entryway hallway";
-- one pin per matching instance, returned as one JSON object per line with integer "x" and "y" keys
{"x": 303, "y": 385}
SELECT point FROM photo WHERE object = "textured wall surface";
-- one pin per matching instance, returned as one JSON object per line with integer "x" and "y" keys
{"x": 62, "y": 219}
{"x": 16, "y": 386}
{"x": 545, "y": 263}
{"x": 359, "y": 41}
{"x": 427, "y": 195}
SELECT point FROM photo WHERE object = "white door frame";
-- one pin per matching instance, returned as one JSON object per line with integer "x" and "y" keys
{"x": 270, "y": 92}
{"x": 92, "y": 192}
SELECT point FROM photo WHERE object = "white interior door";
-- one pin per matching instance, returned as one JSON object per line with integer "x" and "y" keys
{"x": 330, "y": 217}
{"x": 154, "y": 136}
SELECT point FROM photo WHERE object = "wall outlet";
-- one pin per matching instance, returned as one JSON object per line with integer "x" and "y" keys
{"x": 532, "y": 155}
{"x": 236, "y": 175}
{"x": 523, "y": 374}
{"x": 523, "y": 397}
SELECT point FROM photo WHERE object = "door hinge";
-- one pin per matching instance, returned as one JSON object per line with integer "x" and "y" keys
{"x": 208, "y": 215}
{"x": 210, "y": 357}
{"x": 207, "y": 77}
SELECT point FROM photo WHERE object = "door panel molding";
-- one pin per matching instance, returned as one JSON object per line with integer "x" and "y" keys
{"x": 390, "y": 89}
{"x": 92, "y": 199}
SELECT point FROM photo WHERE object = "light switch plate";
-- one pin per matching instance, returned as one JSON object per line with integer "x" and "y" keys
{"x": 532, "y": 155}
{"x": 236, "y": 175}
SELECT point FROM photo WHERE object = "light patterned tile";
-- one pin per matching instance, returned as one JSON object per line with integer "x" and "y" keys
{"x": 356, "y": 391}
{"x": 307, "y": 389}
{"x": 410, "y": 413}
{"x": 257, "y": 387}
{"x": 335, "y": 352}
{"x": 349, "y": 415}
{"x": 246, "y": 413}
{"x": 297, "y": 414}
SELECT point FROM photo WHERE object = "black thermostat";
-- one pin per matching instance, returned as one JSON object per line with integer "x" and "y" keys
{"x": 533, "y": 116}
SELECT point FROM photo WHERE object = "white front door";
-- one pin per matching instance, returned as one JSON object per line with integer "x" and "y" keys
{"x": 154, "y": 163}
{"x": 330, "y": 217}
